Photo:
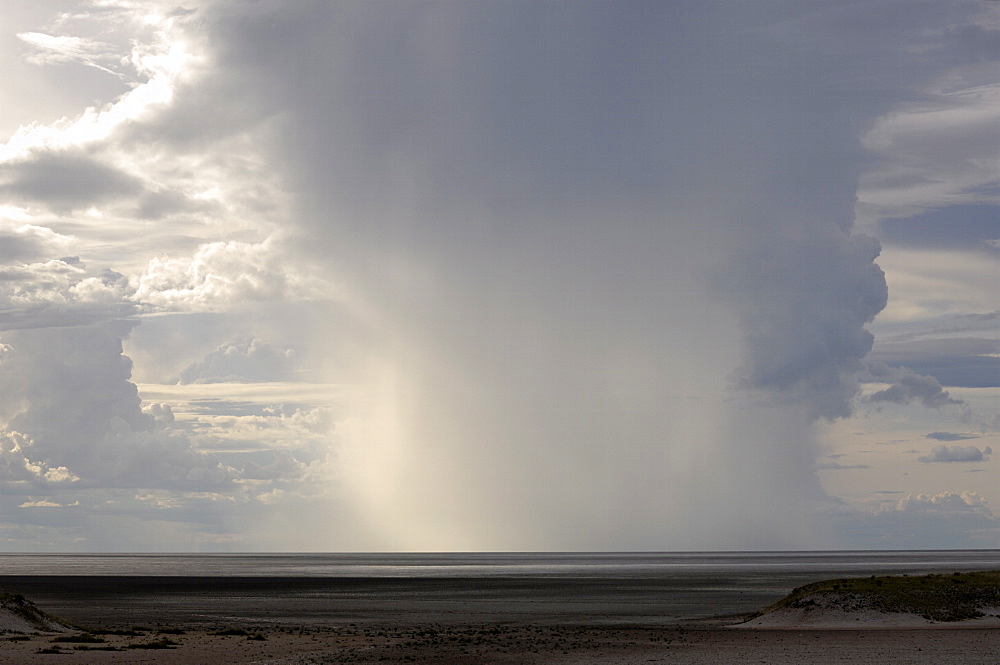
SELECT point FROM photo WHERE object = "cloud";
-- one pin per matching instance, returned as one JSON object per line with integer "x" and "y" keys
{"x": 240, "y": 360}
{"x": 534, "y": 265}
{"x": 43, "y": 282}
{"x": 45, "y": 503}
{"x": 824, "y": 466}
{"x": 162, "y": 414}
{"x": 954, "y": 226}
{"x": 26, "y": 243}
{"x": 284, "y": 466}
{"x": 945, "y": 503}
{"x": 908, "y": 386}
{"x": 221, "y": 275}
{"x": 805, "y": 317}
{"x": 946, "y": 520}
{"x": 93, "y": 159}
{"x": 68, "y": 400}
{"x": 60, "y": 293}
{"x": 94, "y": 166}
{"x": 950, "y": 436}
{"x": 68, "y": 405}
{"x": 953, "y": 361}
{"x": 52, "y": 49}
{"x": 265, "y": 427}
{"x": 937, "y": 151}
{"x": 957, "y": 454}
{"x": 931, "y": 283}
{"x": 65, "y": 181}
{"x": 17, "y": 465}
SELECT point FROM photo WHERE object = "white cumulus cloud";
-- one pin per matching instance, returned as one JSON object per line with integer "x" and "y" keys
{"x": 241, "y": 360}
{"x": 220, "y": 275}
{"x": 945, "y": 503}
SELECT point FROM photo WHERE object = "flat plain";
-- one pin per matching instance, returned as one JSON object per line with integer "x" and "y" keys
{"x": 300, "y": 621}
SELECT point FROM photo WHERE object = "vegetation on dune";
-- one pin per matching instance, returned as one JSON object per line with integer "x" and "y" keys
{"x": 23, "y": 608}
{"x": 170, "y": 631}
{"x": 162, "y": 643}
{"x": 231, "y": 631}
{"x": 82, "y": 638}
{"x": 126, "y": 632}
{"x": 936, "y": 597}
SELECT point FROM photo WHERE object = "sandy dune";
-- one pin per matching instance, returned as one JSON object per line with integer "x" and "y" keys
{"x": 19, "y": 615}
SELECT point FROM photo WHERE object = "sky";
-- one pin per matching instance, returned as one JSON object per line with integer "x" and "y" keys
{"x": 499, "y": 276}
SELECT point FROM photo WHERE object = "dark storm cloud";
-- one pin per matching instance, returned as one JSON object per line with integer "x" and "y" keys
{"x": 467, "y": 158}
{"x": 807, "y": 304}
{"x": 543, "y": 211}
{"x": 908, "y": 386}
{"x": 65, "y": 180}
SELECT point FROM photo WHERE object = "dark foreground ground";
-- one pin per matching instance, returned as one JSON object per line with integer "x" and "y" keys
{"x": 298, "y": 621}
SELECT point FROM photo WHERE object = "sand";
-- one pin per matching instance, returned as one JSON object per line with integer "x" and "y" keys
{"x": 789, "y": 618}
{"x": 19, "y": 615}
{"x": 579, "y": 645}
{"x": 289, "y": 622}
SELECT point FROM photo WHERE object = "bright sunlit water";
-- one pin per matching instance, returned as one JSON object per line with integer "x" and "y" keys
{"x": 680, "y": 565}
